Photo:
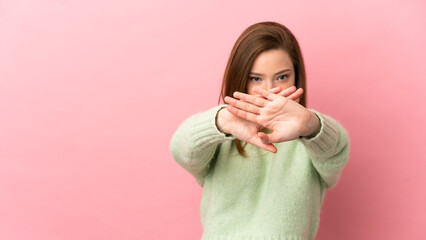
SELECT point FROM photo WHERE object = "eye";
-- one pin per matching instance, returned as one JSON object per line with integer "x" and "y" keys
{"x": 255, "y": 79}
{"x": 283, "y": 77}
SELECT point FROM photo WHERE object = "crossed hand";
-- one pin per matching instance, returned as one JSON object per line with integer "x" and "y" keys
{"x": 278, "y": 111}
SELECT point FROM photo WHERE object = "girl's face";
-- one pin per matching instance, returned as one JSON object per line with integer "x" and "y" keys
{"x": 271, "y": 69}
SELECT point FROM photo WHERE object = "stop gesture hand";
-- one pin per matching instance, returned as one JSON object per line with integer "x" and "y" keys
{"x": 286, "y": 118}
{"x": 247, "y": 131}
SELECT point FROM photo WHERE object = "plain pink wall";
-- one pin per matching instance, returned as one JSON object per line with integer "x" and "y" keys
{"x": 92, "y": 91}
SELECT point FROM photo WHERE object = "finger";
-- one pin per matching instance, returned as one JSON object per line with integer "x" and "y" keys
{"x": 258, "y": 101}
{"x": 242, "y": 105}
{"x": 243, "y": 114}
{"x": 270, "y": 147}
{"x": 297, "y": 100}
{"x": 266, "y": 94}
{"x": 263, "y": 136}
{"x": 275, "y": 90}
{"x": 266, "y": 146}
{"x": 268, "y": 138}
{"x": 296, "y": 94}
{"x": 287, "y": 91}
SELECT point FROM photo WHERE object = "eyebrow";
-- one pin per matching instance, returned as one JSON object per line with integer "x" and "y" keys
{"x": 282, "y": 71}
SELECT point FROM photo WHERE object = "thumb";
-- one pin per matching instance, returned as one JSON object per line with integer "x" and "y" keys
{"x": 263, "y": 137}
{"x": 268, "y": 138}
{"x": 266, "y": 146}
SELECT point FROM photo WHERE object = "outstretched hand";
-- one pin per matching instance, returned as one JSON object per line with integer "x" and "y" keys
{"x": 246, "y": 130}
{"x": 286, "y": 118}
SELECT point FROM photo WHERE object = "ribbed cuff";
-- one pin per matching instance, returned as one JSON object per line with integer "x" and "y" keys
{"x": 205, "y": 131}
{"x": 324, "y": 143}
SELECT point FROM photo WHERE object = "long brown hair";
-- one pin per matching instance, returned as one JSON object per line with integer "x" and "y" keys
{"x": 256, "y": 39}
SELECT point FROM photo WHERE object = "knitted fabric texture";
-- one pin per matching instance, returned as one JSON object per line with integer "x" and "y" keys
{"x": 263, "y": 195}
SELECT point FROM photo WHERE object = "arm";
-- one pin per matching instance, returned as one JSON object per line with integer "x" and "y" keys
{"x": 328, "y": 149}
{"x": 195, "y": 142}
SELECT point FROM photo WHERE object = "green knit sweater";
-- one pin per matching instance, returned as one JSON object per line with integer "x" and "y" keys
{"x": 265, "y": 195}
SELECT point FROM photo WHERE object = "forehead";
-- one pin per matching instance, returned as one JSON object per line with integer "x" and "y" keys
{"x": 272, "y": 60}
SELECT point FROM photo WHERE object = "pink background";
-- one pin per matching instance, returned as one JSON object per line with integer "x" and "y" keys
{"x": 92, "y": 91}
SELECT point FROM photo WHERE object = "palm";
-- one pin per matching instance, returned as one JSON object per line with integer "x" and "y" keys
{"x": 285, "y": 118}
{"x": 246, "y": 131}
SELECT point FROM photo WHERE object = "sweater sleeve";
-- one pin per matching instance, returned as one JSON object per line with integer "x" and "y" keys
{"x": 328, "y": 150}
{"x": 195, "y": 142}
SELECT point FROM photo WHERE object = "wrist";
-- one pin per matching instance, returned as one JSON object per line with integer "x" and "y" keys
{"x": 313, "y": 126}
{"x": 220, "y": 121}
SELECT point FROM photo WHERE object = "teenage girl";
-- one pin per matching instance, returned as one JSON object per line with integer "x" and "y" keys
{"x": 263, "y": 159}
